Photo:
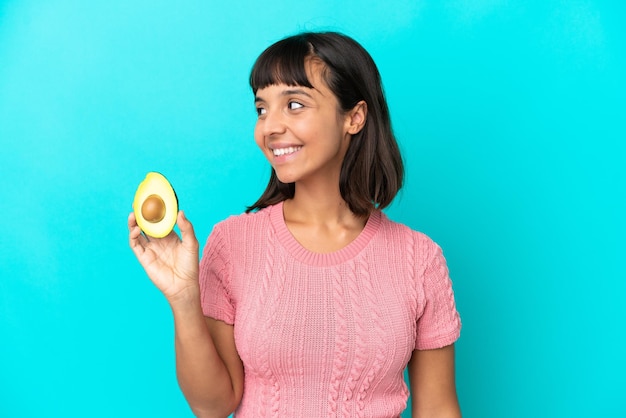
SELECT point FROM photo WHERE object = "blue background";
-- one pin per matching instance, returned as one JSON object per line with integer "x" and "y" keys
{"x": 510, "y": 115}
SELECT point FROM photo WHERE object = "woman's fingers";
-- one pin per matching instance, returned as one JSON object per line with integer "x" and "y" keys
{"x": 135, "y": 237}
{"x": 186, "y": 231}
{"x": 171, "y": 263}
{"x": 131, "y": 220}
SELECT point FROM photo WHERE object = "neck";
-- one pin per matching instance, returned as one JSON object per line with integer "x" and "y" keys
{"x": 321, "y": 223}
{"x": 320, "y": 207}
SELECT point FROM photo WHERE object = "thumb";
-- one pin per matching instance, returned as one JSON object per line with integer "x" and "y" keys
{"x": 186, "y": 230}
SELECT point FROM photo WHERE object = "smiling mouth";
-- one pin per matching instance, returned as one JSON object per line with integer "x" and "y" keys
{"x": 285, "y": 151}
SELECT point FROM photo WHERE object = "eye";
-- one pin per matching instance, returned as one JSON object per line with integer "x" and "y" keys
{"x": 260, "y": 111}
{"x": 294, "y": 105}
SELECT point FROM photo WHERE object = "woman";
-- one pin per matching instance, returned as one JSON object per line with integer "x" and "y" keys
{"x": 313, "y": 303}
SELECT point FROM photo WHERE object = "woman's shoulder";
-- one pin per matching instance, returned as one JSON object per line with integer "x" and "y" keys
{"x": 237, "y": 231}
{"x": 420, "y": 241}
{"x": 244, "y": 221}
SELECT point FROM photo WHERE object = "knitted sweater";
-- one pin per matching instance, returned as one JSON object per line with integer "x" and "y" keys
{"x": 328, "y": 334}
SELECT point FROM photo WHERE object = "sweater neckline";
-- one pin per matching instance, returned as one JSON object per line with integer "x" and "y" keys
{"x": 322, "y": 259}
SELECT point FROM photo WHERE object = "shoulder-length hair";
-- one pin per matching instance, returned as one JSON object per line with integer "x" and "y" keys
{"x": 372, "y": 170}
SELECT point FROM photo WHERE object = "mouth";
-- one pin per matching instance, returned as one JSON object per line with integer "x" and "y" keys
{"x": 279, "y": 152}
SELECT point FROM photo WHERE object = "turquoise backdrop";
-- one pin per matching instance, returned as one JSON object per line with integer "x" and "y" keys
{"x": 511, "y": 117}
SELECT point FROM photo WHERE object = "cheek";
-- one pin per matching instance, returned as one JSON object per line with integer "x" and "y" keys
{"x": 258, "y": 136}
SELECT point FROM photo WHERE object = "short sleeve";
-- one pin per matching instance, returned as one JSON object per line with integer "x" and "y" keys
{"x": 215, "y": 283}
{"x": 440, "y": 323}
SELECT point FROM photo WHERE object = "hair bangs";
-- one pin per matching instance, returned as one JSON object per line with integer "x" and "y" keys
{"x": 282, "y": 63}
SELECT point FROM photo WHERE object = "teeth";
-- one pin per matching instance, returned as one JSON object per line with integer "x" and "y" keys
{"x": 284, "y": 151}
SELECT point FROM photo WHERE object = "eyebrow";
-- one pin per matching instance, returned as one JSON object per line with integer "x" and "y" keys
{"x": 288, "y": 92}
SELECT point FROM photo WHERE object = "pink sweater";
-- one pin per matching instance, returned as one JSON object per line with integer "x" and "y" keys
{"x": 325, "y": 335}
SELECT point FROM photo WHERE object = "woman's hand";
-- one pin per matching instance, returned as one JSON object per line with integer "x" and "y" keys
{"x": 171, "y": 263}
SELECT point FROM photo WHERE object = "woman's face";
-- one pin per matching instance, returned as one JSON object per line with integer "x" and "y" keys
{"x": 302, "y": 131}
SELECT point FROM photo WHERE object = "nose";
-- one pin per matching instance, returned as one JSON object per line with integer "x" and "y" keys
{"x": 272, "y": 123}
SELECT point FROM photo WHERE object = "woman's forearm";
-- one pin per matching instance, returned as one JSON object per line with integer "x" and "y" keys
{"x": 202, "y": 375}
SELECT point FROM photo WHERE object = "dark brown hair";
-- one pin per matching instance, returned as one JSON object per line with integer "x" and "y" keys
{"x": 372, "y": 170}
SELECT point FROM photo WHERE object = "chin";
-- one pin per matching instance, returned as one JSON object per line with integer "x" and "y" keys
{"x": 288, "y": 175}
{"x": 283, "y": 178}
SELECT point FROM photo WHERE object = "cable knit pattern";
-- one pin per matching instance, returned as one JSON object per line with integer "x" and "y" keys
{"x": 377, "y": 329}
{"x": 340, "y": 354}
{"x": 268, "y": 403}
{"x": 326, "y": 334}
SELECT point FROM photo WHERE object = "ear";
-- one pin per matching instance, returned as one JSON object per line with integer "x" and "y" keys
{"x": 356, "y": 118}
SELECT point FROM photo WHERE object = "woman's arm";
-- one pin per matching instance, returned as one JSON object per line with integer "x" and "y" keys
{"x": 208, "y": 367}
{"x": 433, "y": 387}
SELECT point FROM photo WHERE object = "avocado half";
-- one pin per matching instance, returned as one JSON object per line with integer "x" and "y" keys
{"x": 155, "y": 205}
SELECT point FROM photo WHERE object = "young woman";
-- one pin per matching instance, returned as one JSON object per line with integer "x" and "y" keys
{"x": 313, "y": 303}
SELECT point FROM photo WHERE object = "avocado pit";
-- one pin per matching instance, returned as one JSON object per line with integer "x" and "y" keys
{"x": 153, "y": 209}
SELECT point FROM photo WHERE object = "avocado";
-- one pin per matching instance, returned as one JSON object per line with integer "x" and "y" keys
{"x": 155, "y": 205}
